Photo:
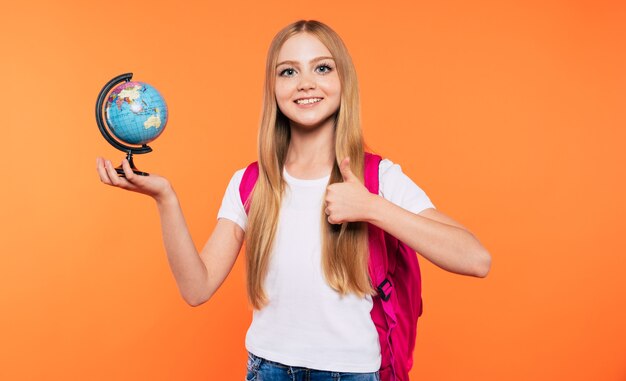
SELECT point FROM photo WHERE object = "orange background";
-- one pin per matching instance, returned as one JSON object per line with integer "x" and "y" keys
{"x": 509, "y": 114}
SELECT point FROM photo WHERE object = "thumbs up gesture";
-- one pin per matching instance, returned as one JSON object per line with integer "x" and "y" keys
{"x": 348, "y": 201}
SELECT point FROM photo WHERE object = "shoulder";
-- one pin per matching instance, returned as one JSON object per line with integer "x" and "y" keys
{"x": 400, "y": 189}
{"x": 385, "y": 165}
{"x": 389, "y": 171}
{"x": 250, "y": 167}
{"x": 235, "y": 180}
{"x": 238, "y": 175}
{"x": 232, "y": 207}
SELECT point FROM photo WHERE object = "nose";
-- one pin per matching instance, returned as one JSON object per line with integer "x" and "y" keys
{"x": 306, "y": 82}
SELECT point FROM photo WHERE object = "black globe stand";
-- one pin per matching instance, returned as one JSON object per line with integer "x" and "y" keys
{"x": 120, "y": 170}
{"x": 107, "y": 135}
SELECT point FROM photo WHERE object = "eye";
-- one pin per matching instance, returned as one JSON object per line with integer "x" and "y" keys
{"x": 289, "y": 72}
{"x": 324, "y": 68}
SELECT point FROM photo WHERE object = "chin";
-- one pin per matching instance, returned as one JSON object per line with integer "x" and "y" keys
{"x": 310, "y": 124}
{"x": 304, "y": 125}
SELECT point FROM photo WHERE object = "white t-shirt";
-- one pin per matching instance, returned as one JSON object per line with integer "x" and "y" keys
{"x": 306, "y": 322}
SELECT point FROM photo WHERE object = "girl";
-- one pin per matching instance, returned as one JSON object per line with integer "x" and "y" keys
{"x": 306, "y": 228}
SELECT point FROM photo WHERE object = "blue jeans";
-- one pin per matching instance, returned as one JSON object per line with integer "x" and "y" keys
{"x": 260, "y": 369}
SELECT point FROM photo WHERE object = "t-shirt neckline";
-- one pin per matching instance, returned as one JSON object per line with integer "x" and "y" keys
{"x": 306, "y": 182}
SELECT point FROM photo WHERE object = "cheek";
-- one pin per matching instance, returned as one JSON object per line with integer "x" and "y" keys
{"x": 333, "y": 92}
{"x": 282, "y": 91}
{"x": 282, "y": 98}
{"x": 282, "y": 108}
{"x": 331, "y": 87}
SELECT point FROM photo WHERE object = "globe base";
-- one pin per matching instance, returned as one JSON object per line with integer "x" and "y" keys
{"x": 120, "y": 170}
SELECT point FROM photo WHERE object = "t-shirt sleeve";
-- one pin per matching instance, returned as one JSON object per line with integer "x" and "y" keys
{"x": 232, "y": 208}
{"x": 398, "y": 188}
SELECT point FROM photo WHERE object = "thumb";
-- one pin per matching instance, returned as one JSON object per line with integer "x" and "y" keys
{"x": 346, "y": 171}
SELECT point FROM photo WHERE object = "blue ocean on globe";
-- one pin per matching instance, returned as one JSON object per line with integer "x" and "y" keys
{"x": 136, "y": 113}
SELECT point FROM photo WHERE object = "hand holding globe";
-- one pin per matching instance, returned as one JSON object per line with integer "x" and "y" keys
{"x": 155, "y": 186}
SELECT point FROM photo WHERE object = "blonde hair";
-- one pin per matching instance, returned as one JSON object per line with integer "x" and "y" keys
{"x": 345, "y": 251}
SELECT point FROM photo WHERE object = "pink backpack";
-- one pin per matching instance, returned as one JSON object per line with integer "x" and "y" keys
{"x": 393, "y": 266}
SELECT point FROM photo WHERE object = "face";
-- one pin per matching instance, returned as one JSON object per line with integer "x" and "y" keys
{"x": 307, "y": 87}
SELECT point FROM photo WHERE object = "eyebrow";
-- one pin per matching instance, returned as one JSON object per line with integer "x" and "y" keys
{"x": 313, "y": 60}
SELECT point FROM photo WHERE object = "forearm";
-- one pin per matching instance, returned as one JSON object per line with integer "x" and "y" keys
{"x": 449, "y": 247}
{"x": 186, "y": 265}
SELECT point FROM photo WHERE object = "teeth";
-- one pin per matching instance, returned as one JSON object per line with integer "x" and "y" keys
{"x": 307, "y": 101}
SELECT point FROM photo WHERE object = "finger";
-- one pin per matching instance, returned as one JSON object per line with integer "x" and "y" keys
{"x": 133, "y": 180}
{"x": 114, "y": 177}
{"x": 128, "y": 172}
{"x": 333, "y": 220}
{"x": 345, "y": 169}
{"x": 102, "y": 172}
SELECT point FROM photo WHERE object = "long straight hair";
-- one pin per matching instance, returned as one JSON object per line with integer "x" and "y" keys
{"x": 345, "y": 251}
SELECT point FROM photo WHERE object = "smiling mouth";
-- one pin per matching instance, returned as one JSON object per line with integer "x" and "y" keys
{"x": 307, "y": 101}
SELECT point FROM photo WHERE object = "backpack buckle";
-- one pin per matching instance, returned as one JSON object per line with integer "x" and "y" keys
{"x": 382, "y": 294}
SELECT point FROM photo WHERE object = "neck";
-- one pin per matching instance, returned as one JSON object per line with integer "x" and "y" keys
{"x": 312, "y": 146}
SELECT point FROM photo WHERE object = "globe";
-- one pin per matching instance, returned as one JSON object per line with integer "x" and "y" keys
{"x": 135, "y": 112}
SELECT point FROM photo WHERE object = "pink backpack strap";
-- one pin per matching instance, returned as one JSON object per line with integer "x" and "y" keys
{"x": 250, "y": 176}
{"x": 383, "y": 313}
{"x": 378, "y": 257}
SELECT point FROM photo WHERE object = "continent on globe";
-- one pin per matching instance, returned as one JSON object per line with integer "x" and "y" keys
{"x": 128, "y": 94}
{"x": 153, "y": 120}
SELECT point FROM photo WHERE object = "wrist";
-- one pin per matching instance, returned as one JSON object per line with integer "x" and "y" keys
{"x": 372, "y": 211}
{"x": 166, "y": 197}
